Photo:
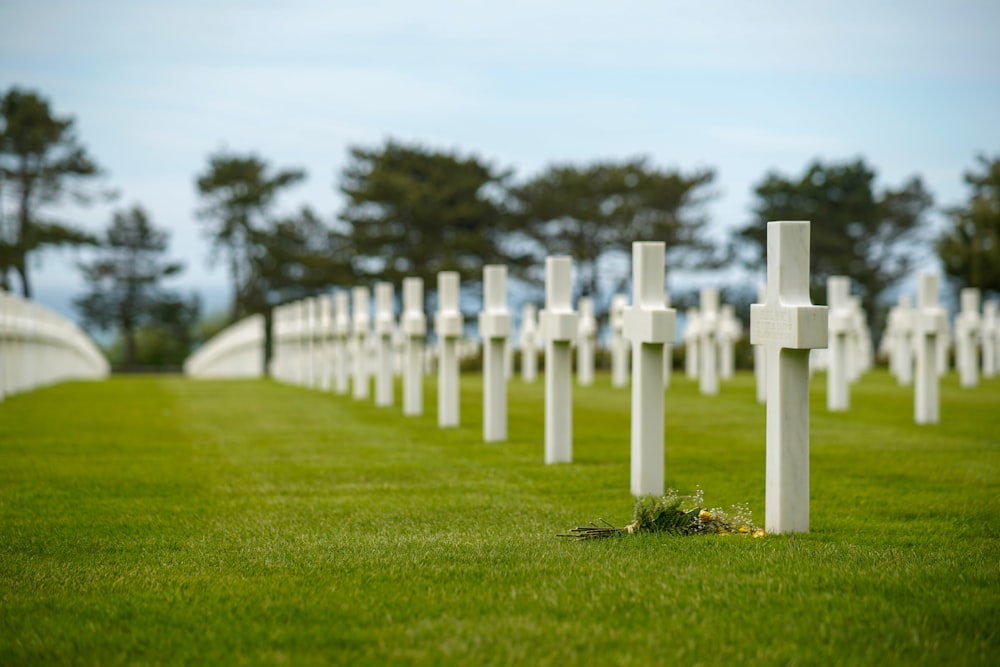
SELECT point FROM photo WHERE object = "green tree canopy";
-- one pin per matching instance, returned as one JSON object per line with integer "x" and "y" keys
{"x": 41, "y": 161}
{"x": 413, "y": 211}
{"x": 238, "y": 192}
{"x": 124, "y": 290}
{"x": 590, "y": 211}
{"x": 871, "y": 237}
{"x": 970, "y": 248}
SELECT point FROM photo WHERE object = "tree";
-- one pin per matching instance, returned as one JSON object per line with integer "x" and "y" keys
{"x": 588, "y": 212}
{"x": 124, "y": 291}
{"x": 970, "y": 249}
{"x": 413, "y": 211}
{"x": 41, "y": 161}
{"x": 238, "y": 193}
{"x": 872, "y": 237}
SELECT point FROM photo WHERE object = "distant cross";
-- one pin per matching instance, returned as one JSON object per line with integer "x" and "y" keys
{"x": 789, "y": 326}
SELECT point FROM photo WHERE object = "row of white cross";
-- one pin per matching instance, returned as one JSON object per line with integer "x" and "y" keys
{"x": 785, "y": 327}
{"x": 39, "y": 347}
{"x": 785, "y": 324}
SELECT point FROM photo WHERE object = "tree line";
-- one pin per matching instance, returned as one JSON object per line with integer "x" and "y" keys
{"x": 413, "y": 210}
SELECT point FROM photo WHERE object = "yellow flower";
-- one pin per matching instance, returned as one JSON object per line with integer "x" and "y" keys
{"x": 759, "y": 533}
{"x": 743, "y": 529}
{"x": 705, "y": 515}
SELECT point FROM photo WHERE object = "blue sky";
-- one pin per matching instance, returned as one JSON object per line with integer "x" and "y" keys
{"x": 743, "y": 87}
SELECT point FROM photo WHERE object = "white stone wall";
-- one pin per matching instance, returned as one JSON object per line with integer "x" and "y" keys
{"x": 39, "y": 347}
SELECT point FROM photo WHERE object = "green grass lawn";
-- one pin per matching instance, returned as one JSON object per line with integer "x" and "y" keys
{"x": 150, "y": 520}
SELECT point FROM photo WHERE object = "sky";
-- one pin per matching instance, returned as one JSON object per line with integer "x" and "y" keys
{"x": 742, "y": 87}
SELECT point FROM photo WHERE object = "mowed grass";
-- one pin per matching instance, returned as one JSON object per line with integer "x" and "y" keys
{"x": 157, "y": 520}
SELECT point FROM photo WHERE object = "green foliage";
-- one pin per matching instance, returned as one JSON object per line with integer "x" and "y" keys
{"x": 589, "y": 212}
{"x": 414, "y": 211}
{"x": 124, "y": 290}
{"x": 872, "y": 237}
{"x": 970, "y": 248}
{"x": 41, "y": 161}
{"x": 238, "y": 192}
{"x": 158, "y": 520}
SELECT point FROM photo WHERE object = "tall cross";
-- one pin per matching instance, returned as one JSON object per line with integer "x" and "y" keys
{"x": 789, "y": 326}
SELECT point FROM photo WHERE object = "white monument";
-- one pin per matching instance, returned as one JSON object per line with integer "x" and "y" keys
{"x": 359, "y": 343}
{"x": 708, "y": 324}
{"x": 838, "y": 393}
{"x": 586, "y": 339}
{"x": 904, "y": 341}
{"x": 325, "y": 341}
{"x": 649, "y": 325}
{"x": 619, "y": 347}
{"x": 729, "y": 333}
{"x": 385, "y": 326}
{"x": 760, "y": 357}
{"x": 448, "y": 327}
{"x": 692, "y": 340}
{"x": 529, "y": 342}
{"x": 414, "y": 327}
{"x": 559, "y": 328}
{"x": 494, "y": 329}
{"x": 990, "y": 337}
{"x": 789, "y": 325}
{"x": 668, "y": 350}
{"x": 927, "y": 326}
{"x": 967, "y": 327}
{"x": 341, "y": 331}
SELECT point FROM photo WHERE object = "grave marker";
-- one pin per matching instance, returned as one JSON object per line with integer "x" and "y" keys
{"x": 927, "y": 325}
{"x": 760, "y": 357}
{"x": 325, "y": 340}
{"x": 341, "y": 331}
{"x": 967, "y": 327}
{"x": 529, "y": 342}
{"x": 708, "y": 324}
{"x": 990, "y": 338}
{"x": 585, "y": 342}
{"x": 838, "y": 393}
{"x": 904, "y": 340}
{"x": 448, "y": 327}
{"x": 414, "y": 326}
{"x": 359, "y": 342}
{"x": 494, "y": 329}
{"x": 789, "y": 325}
{"x": 692, "y": 339}
{"x": 668, "y": 349}
{"x": 559, "y": 328}
{"x": 730, "y": 332}
{"x": 649, "y": 325}
{"x": 385, "y": 325}
{"x": 619, "y": 348}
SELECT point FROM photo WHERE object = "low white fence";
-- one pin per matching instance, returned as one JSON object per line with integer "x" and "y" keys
{"x": 39, "y": 347}
{"x": 235, "y": 352}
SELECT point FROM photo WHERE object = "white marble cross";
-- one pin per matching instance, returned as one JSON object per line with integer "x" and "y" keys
{"x": 559, "y": 328}
{"x": 586, "y": 338}
{"x": 730, "y": 331}
{"x": 325, "y": 340}
{"x": 494, "y": 329}
{"x": 838, "y": 393}
{"x": 385, "y": 325}
{"x": 692, "y": 339}
{"x": 341, "y": 330}
{"x": 359, "y": 342}
{"x": 529, "y": 342}
{"x": 927, "y": 324}
{"x": 990, "y": 338}
{"x": 414, "y": 326}
{"x": 619, "y": 347}
{"x": 789, "y": 325}
{"x": 904, "y": 340}
{"x": 967, "y": 328}
{"x": 448, "y": 327}
{"x": 760, "y": 357}
{"x": 708, "y": 324}
{"x": 668, "y": 350}
{"x": 649, "y": 325}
